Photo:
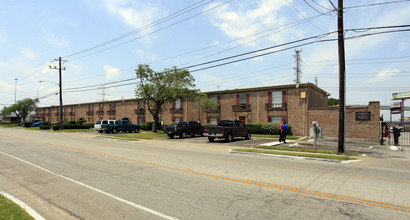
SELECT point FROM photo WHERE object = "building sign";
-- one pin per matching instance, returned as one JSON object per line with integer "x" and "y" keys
{"x": 395, "y": 108}
{"x": 401, "y": 95}
{"x": 363, "y": 116}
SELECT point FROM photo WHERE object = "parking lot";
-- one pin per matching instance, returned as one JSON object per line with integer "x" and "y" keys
{"x": 237, "y": 142}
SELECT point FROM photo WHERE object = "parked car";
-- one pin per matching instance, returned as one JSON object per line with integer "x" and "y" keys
{"x": 228, "y": 130}
{"x": 183, "y": 128}
{"x": 119, "y": 125}
{"x": 98, "y": 123}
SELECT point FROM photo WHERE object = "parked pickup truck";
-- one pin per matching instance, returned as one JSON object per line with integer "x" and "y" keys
{"x": 120, "y": 125}
{"x": 228, "y": 130}
{"x": 183, "y": 128}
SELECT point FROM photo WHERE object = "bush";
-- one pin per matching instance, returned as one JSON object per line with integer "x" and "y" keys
{"x": 45, "y": 127}
{"x": 270, "y": 128}
{"x": 87, "y": 124}
{"x": 147, "y": 126}
{"x": 70, "y": 123}
{"x": 47, "y": 123}
{"x": 255, "y": 128}
{"x": 80, "y": 122}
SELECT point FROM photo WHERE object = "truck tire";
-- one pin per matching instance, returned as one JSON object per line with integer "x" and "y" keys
{"x": 137, "y": 130}
{"x": 114, "y": 131}
{"x": 100, "y": 131}
{"x": 129, "y": 131}
{"x": 183, "y": 135}
{"x": 171, "y": 136}
{"x": 211, "y": 139}
{"x": 229, "y": 137}
{"x": 248, "y": 136}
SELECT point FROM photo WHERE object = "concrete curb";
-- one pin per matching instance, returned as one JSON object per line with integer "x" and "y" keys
{"x": 293, "y": 157}
{"x": 23, "y": 205}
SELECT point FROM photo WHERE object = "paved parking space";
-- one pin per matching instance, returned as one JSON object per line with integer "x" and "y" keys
{"x": 237, "y": 142}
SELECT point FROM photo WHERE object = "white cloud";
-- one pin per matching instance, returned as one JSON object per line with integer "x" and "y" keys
{"x": 111, "y": 72}
{"x": 239, "y": 22}
{"x": 29, "y": 53}
{"x": 61, "y": 42}
{"x": 135, "y": 14}
{"x": 138, "y": 52}
{"x": 384, "y": 75}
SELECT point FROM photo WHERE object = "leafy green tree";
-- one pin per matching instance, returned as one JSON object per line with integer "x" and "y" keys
{"x": 160, "y": 88}
{"x": 332, "y": 102}
{"x": 22, "y": 108}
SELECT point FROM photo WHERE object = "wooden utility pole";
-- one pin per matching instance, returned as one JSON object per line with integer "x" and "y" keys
{"x": 342, "y": 80}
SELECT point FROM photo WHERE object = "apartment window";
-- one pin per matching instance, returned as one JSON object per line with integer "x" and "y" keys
{"x": 276, "y": 119}
{"x": 72, "y": 109}
{"x": 214, "y": 98}
{"x": 277, "y": 99}
{"x": 242, "y": 100}
{"x": 176, "y": 119}
{"x": 178, "y": 104}
{"x": 90, "y": 120}
{"x": 101, "y": 107}
{"x": 213, "y": 120}
{"x": 90, "y": 107}
{"x": 112, "y": 107}
{"x": 140, "y": 120}
{"x": 141, "y": 106}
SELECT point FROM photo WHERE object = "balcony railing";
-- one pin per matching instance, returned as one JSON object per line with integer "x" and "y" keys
{"x": 241, "y": 108}
{"x": 99, "y": 112}
{"x": 139, "y": 111}
{"x": 111, "y": 112}
{"x": 276, "y": 107}
{"x": 217, "y": 110}
{"x": 71, "y": 113}
{"x": 48, "y": 114}
{"x": 90, "y": 113}
{"x": 176, "y": 110}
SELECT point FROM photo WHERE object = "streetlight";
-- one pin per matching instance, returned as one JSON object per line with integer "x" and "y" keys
{"x": 61, "y": 102}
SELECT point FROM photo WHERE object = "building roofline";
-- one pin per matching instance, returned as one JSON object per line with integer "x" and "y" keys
{"x": 266, "y": 88}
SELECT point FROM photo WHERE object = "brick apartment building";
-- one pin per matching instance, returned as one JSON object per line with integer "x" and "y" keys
{"x": 298, "y": 104}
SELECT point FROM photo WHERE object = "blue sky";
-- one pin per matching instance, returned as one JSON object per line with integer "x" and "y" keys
{"x": 34, "y": 33}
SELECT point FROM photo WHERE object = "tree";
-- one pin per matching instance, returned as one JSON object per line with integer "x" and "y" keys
{"x": 160, "y": 88}
{"x": 332, "y": 102}
{"x": 22, "y": 108}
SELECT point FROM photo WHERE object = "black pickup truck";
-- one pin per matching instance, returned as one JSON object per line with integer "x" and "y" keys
{"x": 227, "y": 129}
{"x": 184, "y": 128}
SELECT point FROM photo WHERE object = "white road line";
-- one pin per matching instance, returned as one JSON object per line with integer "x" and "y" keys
{"x": 95, "y": 189}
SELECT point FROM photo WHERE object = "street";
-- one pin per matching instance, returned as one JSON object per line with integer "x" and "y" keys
{"x": 81, "y": 176}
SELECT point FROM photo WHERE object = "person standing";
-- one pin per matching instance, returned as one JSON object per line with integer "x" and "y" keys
{"x": 280, "y": 132}
{"x": 284, "y": 129}
{"x": 396, "y": 135}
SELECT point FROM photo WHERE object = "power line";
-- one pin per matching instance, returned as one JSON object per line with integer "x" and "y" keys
{"x": 164, "y": 19}
{"x": 304, "y": 16}
{"x": 376, "y": 4}
{"x": 126, "y": 42}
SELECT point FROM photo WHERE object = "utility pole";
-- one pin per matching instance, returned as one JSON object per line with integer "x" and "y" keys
{"x": 60, "y": 68}
{"x": 103, "y": 93}
{"x": 297, "y": 69}
{"x": 316, "y": 81}
{"x": 342, "y": 80}
{"x": 15, "y": 91}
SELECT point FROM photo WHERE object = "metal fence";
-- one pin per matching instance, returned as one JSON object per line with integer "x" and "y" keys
{"x": 404, "y": 139}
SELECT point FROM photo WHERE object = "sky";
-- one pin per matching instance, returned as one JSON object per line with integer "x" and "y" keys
{"x": 101, "y": 43}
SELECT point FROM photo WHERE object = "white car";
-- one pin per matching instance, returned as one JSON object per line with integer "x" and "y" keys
{"x": 98, "y": 123}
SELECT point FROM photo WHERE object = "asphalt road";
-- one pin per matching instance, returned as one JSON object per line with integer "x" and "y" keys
{"x": 78, "y": 176}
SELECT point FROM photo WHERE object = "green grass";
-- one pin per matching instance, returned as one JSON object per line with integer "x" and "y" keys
{"x": 9, "y": 125}
{"x": 10, "y": 210}
{"x": 288, "y": 137}
{"x": 320, "y": 151}
{"x": 147, "y": 135}
{"x": 321, "y": 156}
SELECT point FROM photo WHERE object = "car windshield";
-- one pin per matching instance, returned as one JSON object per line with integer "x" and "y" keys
{"x": 183, "y": 123}
{"x": 98, "y": 122}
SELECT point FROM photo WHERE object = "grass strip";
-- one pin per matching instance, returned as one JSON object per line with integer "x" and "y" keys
{"x": 146, "y": 135}
{"x": 10, "y": 210}
{"x": 308, "y": 150}
{"x": 321, "y": 156}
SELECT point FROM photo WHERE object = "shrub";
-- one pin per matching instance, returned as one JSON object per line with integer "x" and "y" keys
{"x": 80, "y": 122}
{"x": 45, "y": 127}
{"x": 46, "y": 123}
{"x": 87, "y": 124}
{"x": 147, "y": 126}
{"x": 70, "y": 123}
{"x": 68, "y": 126}
{"x": 270, "y": 128}
{"x": 255, "y": 128}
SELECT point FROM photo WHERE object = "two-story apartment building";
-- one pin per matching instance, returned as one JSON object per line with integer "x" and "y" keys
{"x": 298, "y": 104}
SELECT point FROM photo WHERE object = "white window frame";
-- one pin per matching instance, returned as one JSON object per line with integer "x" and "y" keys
{"x": 277, "y": 99}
